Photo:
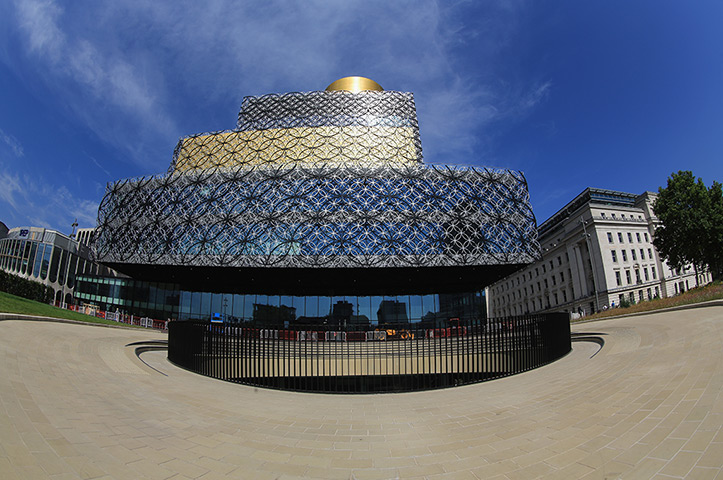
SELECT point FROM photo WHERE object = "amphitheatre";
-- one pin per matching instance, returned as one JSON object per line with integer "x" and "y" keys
{"x": 638, "y": 397}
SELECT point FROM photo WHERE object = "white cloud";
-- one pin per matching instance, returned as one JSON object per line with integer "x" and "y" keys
{"x": 138, "y": 73}
{"x": 97, "y": 82}
{"x": 43, "y": 204}
{"x": 38, "y": 19}
{"x": 13, "y": 143}
{"x": 10, "y": 189}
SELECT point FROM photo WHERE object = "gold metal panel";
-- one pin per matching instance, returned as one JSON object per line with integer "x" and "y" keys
{"x": 330, "y": 145}
{"x": 354, "y": 84}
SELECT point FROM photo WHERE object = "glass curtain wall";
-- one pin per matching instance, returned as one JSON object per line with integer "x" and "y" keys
{"x": 164, "y": 301}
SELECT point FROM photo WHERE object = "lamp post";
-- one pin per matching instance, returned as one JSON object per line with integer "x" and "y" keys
{"x": 74, "y": 224}
{"x": 592, "y": 263}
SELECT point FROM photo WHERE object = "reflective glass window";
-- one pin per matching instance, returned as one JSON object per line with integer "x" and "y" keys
{"x": 237, "y": 310}
{"x": 25, "y": 251}
{"x": 205, "y": 305}
{"x": 195, "y": 304}
{"x": 364, "y": 309}
{"x": 63, "y": 268}
{"x": 217, "y": 306}
{"x": 416, "y": 310}
{"x": 249, "y": 301}
{"x": 299, "y": 305}
{"x": 31, "y": 258}
{"x": 72, "y": 266}
{"x": 324, "y": 307}
{"x": 39, "y": 256}
{"x": 54, "y": 263}
{"x": 374, "y": 304}
{"x": 185, "y": 310}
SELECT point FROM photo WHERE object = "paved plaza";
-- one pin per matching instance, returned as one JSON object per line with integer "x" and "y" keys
{"x": 76, "y": 402}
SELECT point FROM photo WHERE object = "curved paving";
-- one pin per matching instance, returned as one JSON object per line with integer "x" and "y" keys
{"x": 76, "y": 402}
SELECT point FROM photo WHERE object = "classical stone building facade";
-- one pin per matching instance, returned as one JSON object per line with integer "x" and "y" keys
{"x": 597, "y": 252}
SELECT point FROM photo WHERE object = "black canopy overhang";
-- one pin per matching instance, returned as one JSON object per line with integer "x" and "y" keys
{"x": 321, "y": 281}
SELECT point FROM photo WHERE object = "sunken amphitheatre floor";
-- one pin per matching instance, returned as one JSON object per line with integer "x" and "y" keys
{"x": 638, "y": 397}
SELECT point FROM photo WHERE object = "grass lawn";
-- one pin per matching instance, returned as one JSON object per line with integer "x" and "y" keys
{"x": 12, "y": 304}
{"x": 713, "y": 291}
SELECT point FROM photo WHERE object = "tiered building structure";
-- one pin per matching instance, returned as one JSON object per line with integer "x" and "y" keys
{"x": 313, "y": 199}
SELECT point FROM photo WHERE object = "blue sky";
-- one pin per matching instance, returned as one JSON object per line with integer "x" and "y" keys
{"x": 607, "y": 94}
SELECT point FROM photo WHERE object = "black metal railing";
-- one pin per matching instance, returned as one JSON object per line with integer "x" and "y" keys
{"x": 392, "y": 358}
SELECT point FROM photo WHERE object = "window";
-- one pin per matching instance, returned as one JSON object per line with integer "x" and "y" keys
{"x": 614, "y": 255}
{"x": 650, "y": 296}
{"x": 610, "y": 237}
{"x": 617, "y": 279}
{"x": 637, "y": 236}
{"x": 551, "y": 265}
{"x": 625, "y": 256}
{"x": 645, "y": 272}
{"x": 567, "y": 257}
{"x": 627, "y": 276}
{"x": 646, "y": 236}
{"x": 630, "y": 237}
{"x": 650, "y": 254}
{"x": 554, "y": 280}
{"x": 556, "y": 302}
{"x": 620, "y": 237}
{"x": 632, "y": 254}
{"x": 602, "y": 214}
{"x": 562, "y": 277}
{"x": 537, "y": 272}
{"x": 544, "y": 268}
{"x": 546, "y": 285}
{"x": 538, "y": 287}
{"x": 652, "y": 271}
{"x": 564, "y": 295}
{"x": 642, "y": 254}
{"x": 637, "y": 276}
{"x": 559, "y": 261}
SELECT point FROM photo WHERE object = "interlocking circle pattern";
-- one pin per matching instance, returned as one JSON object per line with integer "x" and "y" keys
{"x": 319, "y": 179}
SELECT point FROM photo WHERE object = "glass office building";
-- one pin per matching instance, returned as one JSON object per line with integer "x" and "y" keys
{"x": 49, "y": 257}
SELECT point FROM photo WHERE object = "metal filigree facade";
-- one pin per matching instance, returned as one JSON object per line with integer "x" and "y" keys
{"x": 320, "y": 180}
{"x": 315, "y": 128}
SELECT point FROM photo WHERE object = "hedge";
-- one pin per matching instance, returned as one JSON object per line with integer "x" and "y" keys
{"x": 21, "y": 287}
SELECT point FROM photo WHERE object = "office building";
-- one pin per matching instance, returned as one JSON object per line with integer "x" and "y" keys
{"x": 597, "y": 253}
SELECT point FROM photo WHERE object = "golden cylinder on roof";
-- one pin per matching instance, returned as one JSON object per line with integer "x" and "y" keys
{"x": 354, "y": 84}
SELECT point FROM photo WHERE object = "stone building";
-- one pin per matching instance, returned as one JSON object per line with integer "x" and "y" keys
{"x": 597, "y": 252}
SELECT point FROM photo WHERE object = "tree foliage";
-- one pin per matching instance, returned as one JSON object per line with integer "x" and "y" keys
{"x": 692, "y": 223}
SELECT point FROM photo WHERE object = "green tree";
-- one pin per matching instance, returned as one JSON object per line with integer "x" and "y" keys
{"x": 714, "y": 246}
{"x": 692, "y": 223}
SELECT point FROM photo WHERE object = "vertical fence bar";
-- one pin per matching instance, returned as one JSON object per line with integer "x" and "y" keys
{"x": 336, "y": 359}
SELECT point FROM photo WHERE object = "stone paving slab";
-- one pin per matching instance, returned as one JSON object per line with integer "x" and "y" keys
{"x": 76, "y": 402}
